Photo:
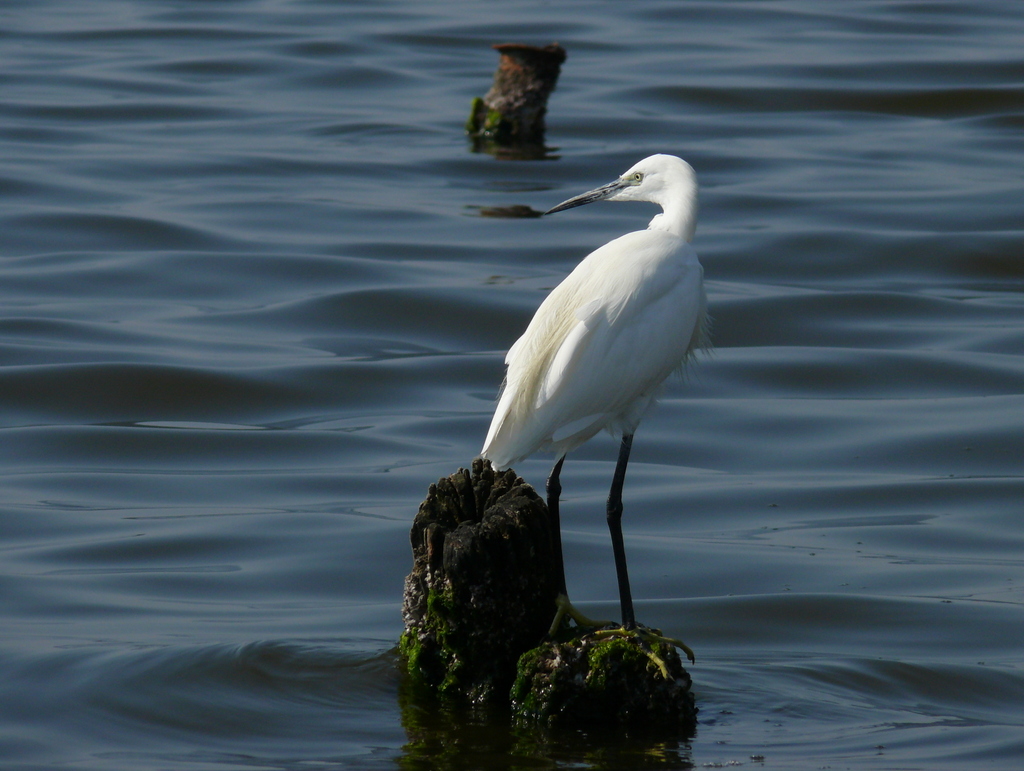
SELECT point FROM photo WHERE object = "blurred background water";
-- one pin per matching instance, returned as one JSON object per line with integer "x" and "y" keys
{"x": 250, "y": 308}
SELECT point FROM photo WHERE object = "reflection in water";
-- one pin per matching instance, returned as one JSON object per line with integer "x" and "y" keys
{"x": 452, "y": 738}
{"x": 515, "y": 211}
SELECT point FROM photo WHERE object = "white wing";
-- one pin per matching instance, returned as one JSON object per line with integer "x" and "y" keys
{"x": 599, "y": 346}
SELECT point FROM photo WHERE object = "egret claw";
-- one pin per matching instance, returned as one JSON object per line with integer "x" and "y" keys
{"x": 566, "y": 608}
{"x": 645, "y": 637}
{"x": 672, "y": 641}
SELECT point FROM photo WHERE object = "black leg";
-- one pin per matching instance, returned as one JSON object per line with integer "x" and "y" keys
{"x": 615, "y": 526}
{"x": 554, "y": 489}
{"x": 563, "y": 606}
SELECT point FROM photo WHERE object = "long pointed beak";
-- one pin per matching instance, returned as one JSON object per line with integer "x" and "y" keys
{"x": 599, "y": 194}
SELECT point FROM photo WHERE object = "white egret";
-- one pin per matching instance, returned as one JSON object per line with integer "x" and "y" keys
{"x": 602, "y": 343}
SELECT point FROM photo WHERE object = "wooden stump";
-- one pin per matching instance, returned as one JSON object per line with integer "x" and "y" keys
{"x": 480, "y": 601}
{"x": 509, "y": 119}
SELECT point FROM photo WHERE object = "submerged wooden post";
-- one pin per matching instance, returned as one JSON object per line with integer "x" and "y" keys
{"x": 480, "y": 600}
{"x": 511, "y": 114}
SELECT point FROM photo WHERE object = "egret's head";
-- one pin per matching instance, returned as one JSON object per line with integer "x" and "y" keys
{"x": 661, "y": 179}
{"x": 657, "y": 179}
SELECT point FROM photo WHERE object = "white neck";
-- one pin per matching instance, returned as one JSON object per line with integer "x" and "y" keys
{"x": 678, "y": 218}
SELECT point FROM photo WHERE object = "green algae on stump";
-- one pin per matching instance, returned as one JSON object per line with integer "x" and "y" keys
{"x": 599, "y": 680}
{"x": 482, "y": 589}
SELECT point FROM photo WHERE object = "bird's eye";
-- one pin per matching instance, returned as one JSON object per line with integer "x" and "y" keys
{"x": 638, "y": 177}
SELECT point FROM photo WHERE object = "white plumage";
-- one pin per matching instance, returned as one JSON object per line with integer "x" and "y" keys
{"x": 605, "y": 339}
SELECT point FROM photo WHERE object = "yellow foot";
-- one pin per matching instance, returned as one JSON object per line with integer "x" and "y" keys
{"x": 647, "y": 636}
{"x": 566, "y": 608}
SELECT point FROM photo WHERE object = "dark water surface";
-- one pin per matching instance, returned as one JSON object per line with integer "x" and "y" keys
{"x": 249, "y": 310}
